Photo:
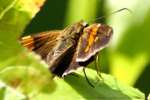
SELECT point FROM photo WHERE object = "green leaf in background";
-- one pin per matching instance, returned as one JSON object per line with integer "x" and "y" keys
{"x": 2, "y": 91}
{"x": 129, "y": 54}
{"x": 8, "y": 93}
{"x": 5, "y": 6}
{"x": 81, "y": 9}
{"x": 13, "y": 22}
{"x": 20, "y": 69}
{"x": 148, "y": 98}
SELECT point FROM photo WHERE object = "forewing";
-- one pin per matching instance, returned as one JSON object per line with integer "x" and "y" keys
{"x": 94, "y": 38}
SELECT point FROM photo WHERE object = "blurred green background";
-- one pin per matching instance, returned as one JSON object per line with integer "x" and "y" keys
{"x": 128, "y": 55}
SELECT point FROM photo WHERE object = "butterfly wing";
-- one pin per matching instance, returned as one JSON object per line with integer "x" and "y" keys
{"x": 56, "y": 48}
{"x": 41, "y": 43}
{"x": 94, "y": 38}
{"x": 60, "y": 58}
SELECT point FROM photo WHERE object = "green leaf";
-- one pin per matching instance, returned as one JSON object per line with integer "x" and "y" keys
{"x": 19, "y": 68}
{"x": 75, "y": 86}
{"x": 8, "y": 93}
{"x": 12, "y": 24}
{"x": 2, "y": 91}
{"x": 5, "y": 6}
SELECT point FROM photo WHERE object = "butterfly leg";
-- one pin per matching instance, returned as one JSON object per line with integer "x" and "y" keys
{"x": 87, "y": 78}
{"x": 97, "y": 66}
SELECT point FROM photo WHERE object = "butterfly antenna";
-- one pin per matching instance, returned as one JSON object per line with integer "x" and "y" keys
{"x": 122, "y": 9}
{"x": 87, "y": 78}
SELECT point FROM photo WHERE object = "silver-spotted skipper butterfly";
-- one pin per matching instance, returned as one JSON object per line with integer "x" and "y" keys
{"x": 66, "y": 50}
{"x": 69, "y": 49}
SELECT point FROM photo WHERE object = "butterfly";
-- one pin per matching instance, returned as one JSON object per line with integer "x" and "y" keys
{"x": 71, "y": 48}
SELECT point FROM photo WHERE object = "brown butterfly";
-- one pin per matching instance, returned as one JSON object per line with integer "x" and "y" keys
{"x": 66, "y": 50}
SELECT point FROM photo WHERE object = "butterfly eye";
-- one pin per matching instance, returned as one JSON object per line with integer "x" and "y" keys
{"x": 85, "y": 24}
